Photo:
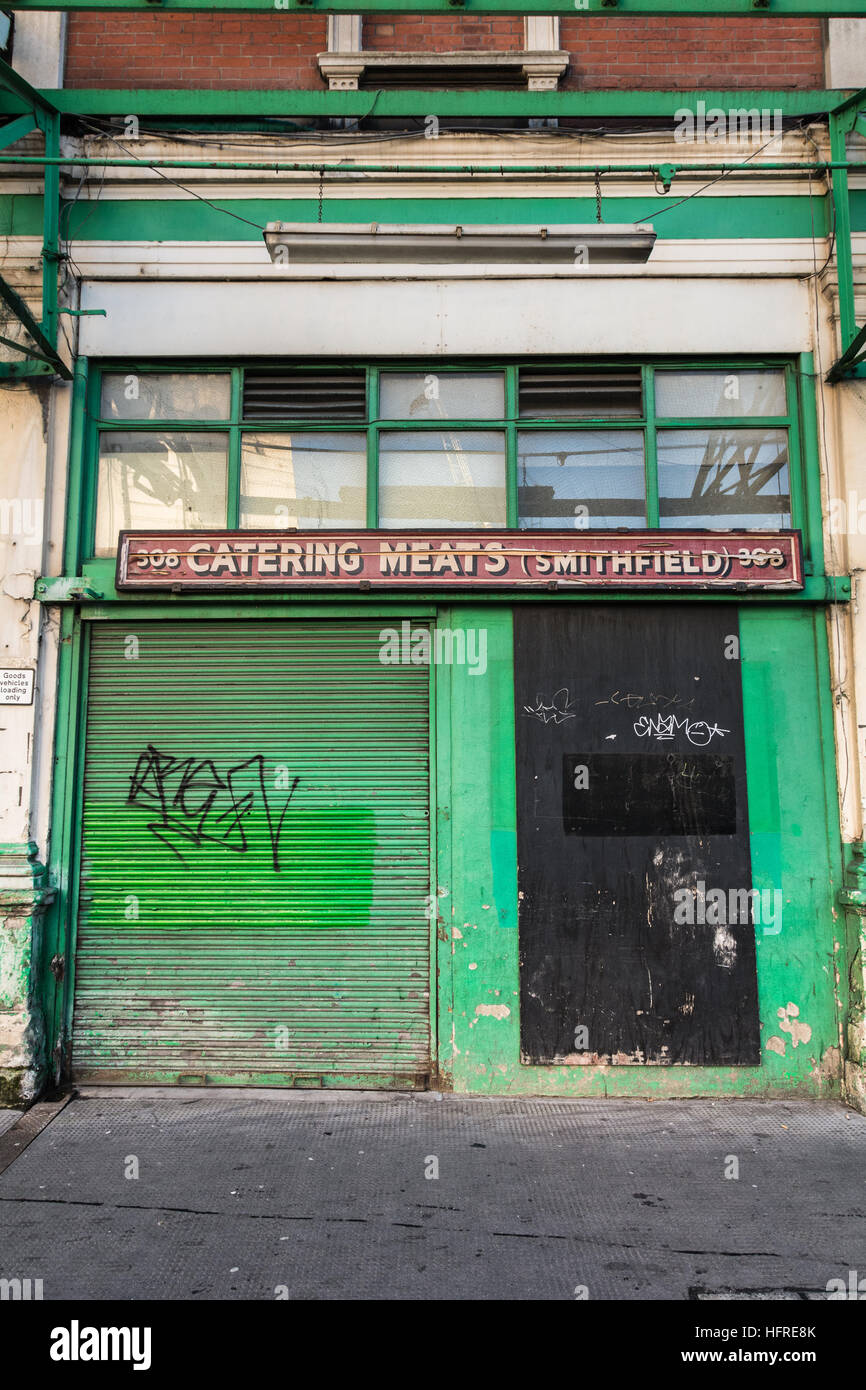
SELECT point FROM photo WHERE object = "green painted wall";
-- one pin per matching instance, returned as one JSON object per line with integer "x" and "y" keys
{"x": 192, "y": 221}
{"x": 188, "y": 220}
{"x": 789, "y": 754}
{"x": 795, "y": 846}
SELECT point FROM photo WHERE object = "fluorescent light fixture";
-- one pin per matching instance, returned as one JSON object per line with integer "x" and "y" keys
{"x": 354, "y": 243}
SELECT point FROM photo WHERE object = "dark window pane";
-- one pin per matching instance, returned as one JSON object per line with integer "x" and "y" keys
{"x": 165, "y": 482}
{"x": 303, "y": 480}
{"x": 165, "y": 396}
{"x": 730, "y": 395}
{"x": 724, "y": 478}
{"x": 441, "y": 396}
{"x": 433, "y": 479}
{"x": 583, "y": 478}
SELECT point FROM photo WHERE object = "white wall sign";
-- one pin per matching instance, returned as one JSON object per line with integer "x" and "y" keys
{"x": 16, "y": 687}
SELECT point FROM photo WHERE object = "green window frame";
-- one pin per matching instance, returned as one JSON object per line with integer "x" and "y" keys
{"x": 649, "y": 424}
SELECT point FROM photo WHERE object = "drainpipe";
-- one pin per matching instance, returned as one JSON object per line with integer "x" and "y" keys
{"x": 852, "y": 898}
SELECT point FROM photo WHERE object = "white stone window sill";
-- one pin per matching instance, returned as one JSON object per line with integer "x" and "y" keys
{"x": 542, "y": 70}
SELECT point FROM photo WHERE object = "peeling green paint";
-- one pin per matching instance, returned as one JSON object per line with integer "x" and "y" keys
{"x": 23, "y": 897}
{"x": 795, "y": 847}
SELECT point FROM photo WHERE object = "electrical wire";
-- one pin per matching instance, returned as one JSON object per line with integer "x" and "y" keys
{"x": 192, "y": 193}
{"x": 726, "y": 173}
{"x": 654, "y": 212}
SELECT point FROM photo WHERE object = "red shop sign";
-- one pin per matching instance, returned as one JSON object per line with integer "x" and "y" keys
{"x": 233, "y": 560}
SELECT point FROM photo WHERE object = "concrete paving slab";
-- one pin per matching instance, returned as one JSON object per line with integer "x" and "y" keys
{"x": 8, "y": 1119}
{"x": 238, "y": 1195}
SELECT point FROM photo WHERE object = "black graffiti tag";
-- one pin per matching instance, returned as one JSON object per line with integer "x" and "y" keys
{"x": 196, "y": 804}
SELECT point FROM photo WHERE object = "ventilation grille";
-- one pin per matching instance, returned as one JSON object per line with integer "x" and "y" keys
{"x": 418, "y": 78}
{"x": 296, "y": 395}
{"x": 546, "y": 393}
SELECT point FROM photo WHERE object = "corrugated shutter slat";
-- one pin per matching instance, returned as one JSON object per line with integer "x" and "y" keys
{"x": 197, "y": 955}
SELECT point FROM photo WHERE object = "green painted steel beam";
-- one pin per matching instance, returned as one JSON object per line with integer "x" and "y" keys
{"x": 12, "y": 82}
{"x": 768, "y": 8}
{"x": 37, "y": 333}
{"x": 28, "y": 352}
{"x": 841, "y": 121}
{"x": 852, "y": 103}
{"x": 851, "y": 357}
{"x": 16, "y": 130}
{"x": 42, "y": 113}
{"x": 51, "y": 229}
{"x": 198, "y": 104}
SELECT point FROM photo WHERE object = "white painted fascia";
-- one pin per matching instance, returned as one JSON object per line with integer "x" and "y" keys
{"x": 451, "y": 317}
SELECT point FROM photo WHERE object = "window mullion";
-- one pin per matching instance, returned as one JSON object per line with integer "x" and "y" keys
{"x": 796, "y": 474}
{"x": 233, "y": 491}
{"x": 651, "y": 452}
{"x": 512, "y": 508}
{"x": 372, "y": 447}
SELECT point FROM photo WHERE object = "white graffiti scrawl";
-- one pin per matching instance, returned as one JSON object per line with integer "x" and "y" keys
{"x": 557, "y": 709}
{"x": 664, "y": 727}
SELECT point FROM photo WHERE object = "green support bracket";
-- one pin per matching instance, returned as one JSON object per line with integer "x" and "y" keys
{"x": 13, "y": 82}
{"x": 851, "y": 357}
{"x": 44, "y": 115}
{"x": 65, "y": 589}
{"x": 837, "y": 588}
{"x": 51, "y": 230}
{"x": 12, "y": 371}
{"x": 27, "y": 351}
{"x": 842, "y": 120}
{"x": 17, "y": 129}
{"x": 48, "y": 353}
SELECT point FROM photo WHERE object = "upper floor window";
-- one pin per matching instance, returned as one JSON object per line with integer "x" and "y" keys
{"x": 534, "y": 446}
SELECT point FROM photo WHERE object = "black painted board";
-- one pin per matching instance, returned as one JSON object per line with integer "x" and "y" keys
{"x": 631, "y": 816}
{"x": 649, "y": 794}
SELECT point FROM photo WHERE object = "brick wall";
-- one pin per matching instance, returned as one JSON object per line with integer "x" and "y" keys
{"x": 429, "y": 33}
{"x": 204, "y": 50}
{"x": 661, "y": 51}
{"x": 279, "y": 50}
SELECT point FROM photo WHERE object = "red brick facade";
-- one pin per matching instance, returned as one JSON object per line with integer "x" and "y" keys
{"x": 219, "y": 50}
{"x": 433, "y": 33}
{"x": 225, "y": 50}
{"x": 663, "y": 52}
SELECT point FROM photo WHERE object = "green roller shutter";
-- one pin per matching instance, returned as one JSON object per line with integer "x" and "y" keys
{"x": 255, "y": 857}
